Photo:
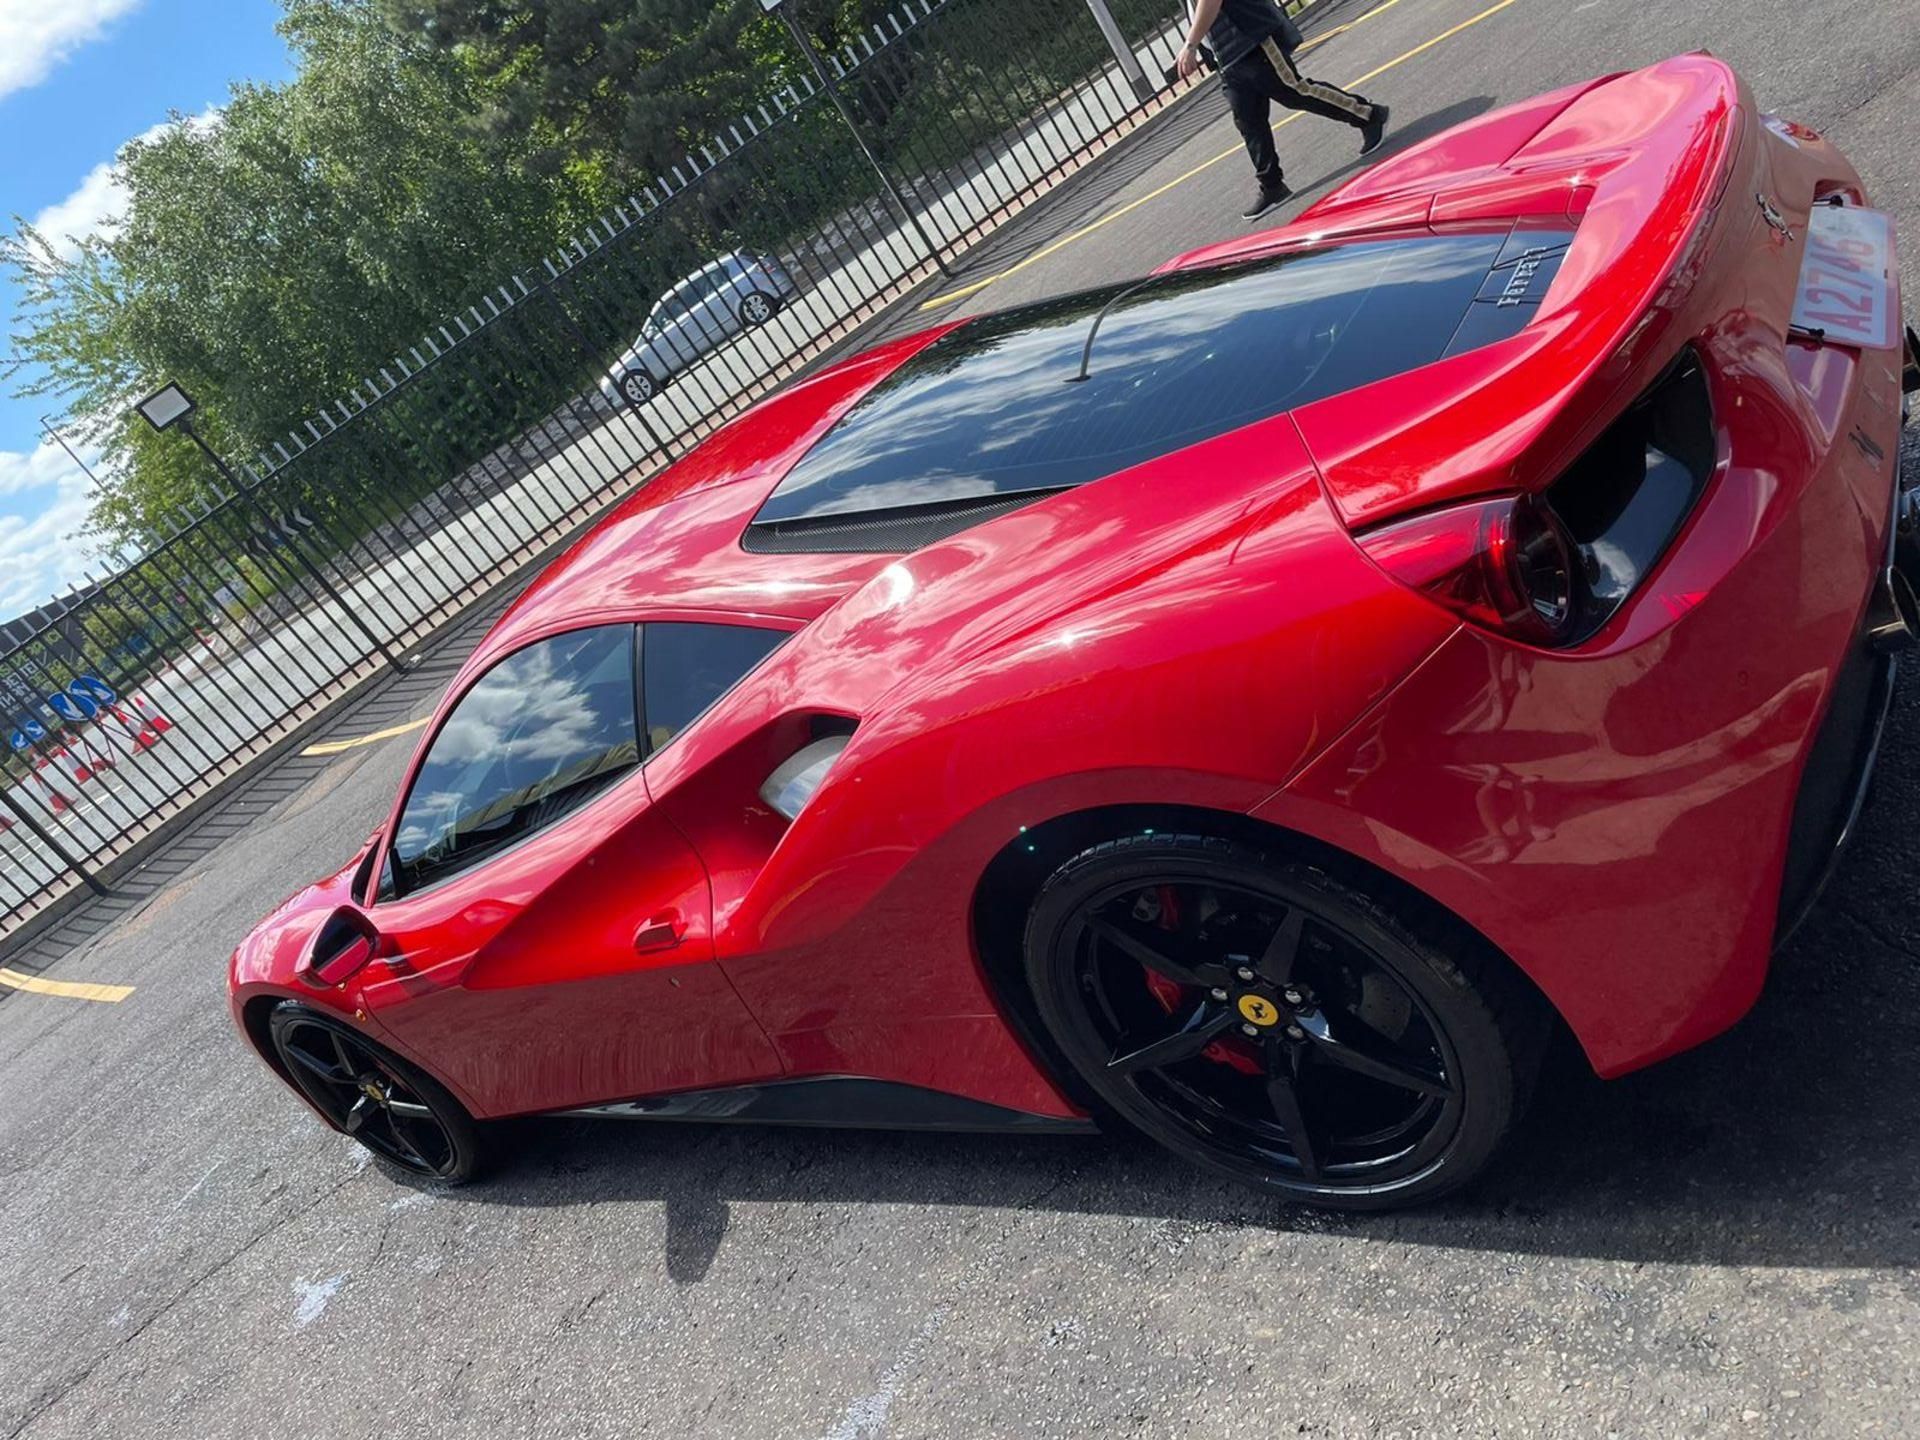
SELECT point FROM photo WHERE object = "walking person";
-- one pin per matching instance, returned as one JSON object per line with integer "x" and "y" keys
{"x": 1252, "y": 44}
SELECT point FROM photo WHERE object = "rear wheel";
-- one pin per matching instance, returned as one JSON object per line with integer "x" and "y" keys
{"x": 756, "y": 309}
{"x": 638, "y": 387}
{"x": 1263, "y": 1020}
{"x": 400, "y": 1113}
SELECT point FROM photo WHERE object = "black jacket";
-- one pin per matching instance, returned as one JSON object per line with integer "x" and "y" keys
{"x": 1243, "y": 24}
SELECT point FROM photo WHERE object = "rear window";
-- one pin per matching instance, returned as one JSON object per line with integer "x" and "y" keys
{"x": 1052, "y": 395}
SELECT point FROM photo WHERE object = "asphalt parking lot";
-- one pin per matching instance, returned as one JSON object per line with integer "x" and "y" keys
{"x": 1726, "y": 1244}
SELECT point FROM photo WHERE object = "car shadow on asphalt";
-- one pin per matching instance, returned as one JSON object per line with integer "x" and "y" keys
{"x": 1789, "y": 1141}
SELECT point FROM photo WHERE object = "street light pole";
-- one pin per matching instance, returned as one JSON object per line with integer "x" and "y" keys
{"x": 313, "y": 571}
{"x": 1122, "y": 51}
{"x": 61, "y": 440}
{"x": 170, "y": 406}
{"x": 776, "y": 7}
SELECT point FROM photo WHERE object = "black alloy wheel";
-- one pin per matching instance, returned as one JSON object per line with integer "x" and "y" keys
{"x": 638, "y": 387}
{"x": 398, "y": 1112}
{"x": 756, "y": 309}
{"x": 1263, "y": 1020}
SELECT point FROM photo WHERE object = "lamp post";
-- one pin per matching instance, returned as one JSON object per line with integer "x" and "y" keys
{"x": 777, "y": 7}
{"x": 61, "y": 440}
{"x": 1122, "y": 52}
{"x": 170, "y": 407}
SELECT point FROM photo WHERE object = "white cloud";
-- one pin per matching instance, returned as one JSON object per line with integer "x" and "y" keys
{"x": 96, "y": 205}
{"x": 36, "y": 35}
{"x": 43, "y": 501}
{"x": 86, "y": 210}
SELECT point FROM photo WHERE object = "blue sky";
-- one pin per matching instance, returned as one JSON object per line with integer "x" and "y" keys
{"x": 78, "y": 79}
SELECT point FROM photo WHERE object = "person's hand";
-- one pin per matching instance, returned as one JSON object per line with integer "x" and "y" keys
{"x": 1188, "y": 62}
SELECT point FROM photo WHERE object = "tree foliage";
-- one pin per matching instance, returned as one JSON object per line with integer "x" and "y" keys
{"x": 280, "y": 252}
{"x": 620, "y": 90}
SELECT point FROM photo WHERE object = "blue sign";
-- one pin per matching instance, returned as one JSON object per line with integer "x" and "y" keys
{"x": 79, "y": 702}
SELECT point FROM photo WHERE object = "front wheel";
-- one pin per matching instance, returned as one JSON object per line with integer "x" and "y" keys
{"x": 1263, "y": 1020}
{"x": 638, "y": 387}
{"x": 403, "y": 1115}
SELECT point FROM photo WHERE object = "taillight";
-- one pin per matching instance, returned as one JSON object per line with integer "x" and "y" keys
{"x": 1505, "y": 564}
{"x": 1554, "y": 568}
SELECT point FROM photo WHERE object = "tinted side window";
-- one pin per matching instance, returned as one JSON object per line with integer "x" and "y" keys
{"x": 689, "y": 666}
{"x": 538, "y": 735}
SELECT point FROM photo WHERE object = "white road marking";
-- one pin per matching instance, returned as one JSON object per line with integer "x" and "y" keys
{"x": 866, "y": 1418}
{"x": 198, "y": 1185}
{"x": 313, "y": 1297}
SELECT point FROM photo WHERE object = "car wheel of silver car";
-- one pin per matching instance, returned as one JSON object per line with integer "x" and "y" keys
{"x": 638, "y": 387}
{"x": 756, "y": 309}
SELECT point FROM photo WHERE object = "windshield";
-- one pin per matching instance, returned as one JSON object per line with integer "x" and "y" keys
{"x": 1059, "y": 393}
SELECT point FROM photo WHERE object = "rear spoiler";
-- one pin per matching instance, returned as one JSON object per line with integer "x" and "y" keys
{"x": 1640, "y": 164}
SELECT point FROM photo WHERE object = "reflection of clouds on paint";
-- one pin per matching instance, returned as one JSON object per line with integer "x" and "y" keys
{"x": 998, "y": 405}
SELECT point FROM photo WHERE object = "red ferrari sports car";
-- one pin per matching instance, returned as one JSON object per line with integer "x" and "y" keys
{"x": 1258, "y": 703}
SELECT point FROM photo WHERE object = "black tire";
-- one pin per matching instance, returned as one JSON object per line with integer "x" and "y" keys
{"x": 1403, "y": 1052}
{"x": 756, "y": 309}
{"x": 360, "y": 1087}
{"x": 637, "y": 387}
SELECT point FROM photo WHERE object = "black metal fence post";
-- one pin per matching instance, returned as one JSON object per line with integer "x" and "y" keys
{"x": 252, "y": 501}
{"x": 66, "y": 858}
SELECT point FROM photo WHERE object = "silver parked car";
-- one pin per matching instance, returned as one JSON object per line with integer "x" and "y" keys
{"x": 736, "y": 293}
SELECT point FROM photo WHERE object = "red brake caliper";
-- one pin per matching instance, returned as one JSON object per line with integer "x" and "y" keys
{"x": 1169, "y": 993}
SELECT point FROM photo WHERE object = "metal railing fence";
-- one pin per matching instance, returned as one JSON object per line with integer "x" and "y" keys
{"x": 398, "y": 504}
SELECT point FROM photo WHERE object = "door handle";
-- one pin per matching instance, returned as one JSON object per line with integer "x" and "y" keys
{"x": 661, "y": 932}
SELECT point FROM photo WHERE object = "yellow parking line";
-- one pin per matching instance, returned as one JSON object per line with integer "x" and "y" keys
{"x": 334, "y": 747}
{"x": 1065, "y": 240}
{"x": 66, "y": 989}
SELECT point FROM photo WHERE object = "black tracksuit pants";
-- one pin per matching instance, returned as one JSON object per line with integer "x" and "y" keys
{"x": 1265, "y": 74}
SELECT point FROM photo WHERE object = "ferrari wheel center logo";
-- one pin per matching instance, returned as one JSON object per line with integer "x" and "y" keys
{"x": 1258, "y": 1011}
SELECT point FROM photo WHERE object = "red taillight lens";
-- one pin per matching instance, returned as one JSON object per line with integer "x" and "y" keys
{"x": 1504, "y": 564}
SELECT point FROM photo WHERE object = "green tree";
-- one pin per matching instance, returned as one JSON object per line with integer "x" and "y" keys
{"x": 280, "y": 253}
{"x": 617, "y": 90}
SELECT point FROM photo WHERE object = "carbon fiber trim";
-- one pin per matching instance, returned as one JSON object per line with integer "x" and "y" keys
{"x": 886, "y": 532}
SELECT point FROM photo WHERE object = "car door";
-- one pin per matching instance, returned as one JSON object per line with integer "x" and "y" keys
{"x": 729, "y": 288}
{"x": 701, "y": 331}
{"x": 671, "y": 343}
{"x": 546, "y": 932}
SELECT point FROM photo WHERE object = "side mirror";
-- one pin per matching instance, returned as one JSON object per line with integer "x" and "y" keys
{"x": 347, "y": 941}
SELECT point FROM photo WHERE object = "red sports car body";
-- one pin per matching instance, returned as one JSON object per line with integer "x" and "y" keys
{"x": 1481, "y": 589}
